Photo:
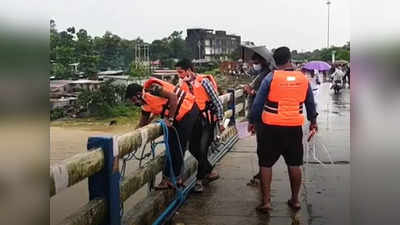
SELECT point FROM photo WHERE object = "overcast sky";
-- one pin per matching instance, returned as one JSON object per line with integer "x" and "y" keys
{"x": 298, "y": 24}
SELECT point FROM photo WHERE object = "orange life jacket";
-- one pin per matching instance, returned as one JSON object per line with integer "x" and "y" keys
{"x": 284, "y": 103}
{"x": 210, "y": 116}
{"x": 211, "y": 79}
{"x": 158, "y": 105}
{"x": 198, "y": 90}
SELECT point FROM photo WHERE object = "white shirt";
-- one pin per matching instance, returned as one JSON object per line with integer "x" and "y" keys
{"x": 337, "y": 75}
{"x": 314, "y": 84}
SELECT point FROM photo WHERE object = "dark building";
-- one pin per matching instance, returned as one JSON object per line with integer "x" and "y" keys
{"x": 207, "y": 45}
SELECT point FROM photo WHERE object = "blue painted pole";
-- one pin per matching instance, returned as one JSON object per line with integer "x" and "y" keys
{"x": 231, "y": 106}
{"x": 105, "y": 184}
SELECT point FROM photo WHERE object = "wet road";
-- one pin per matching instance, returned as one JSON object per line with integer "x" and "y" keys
{"x": 327, "y": 188}
{"x": 325, "y": 195}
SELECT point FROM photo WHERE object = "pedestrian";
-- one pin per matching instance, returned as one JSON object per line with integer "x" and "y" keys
{"x": 337, "y": 76}
{"x": 204, "y": 88}
{"x": 179, "y": 111}
{"x": 347, "y": 75}
{"x": 279, "y": 106}
{"x": 315, "y": 82}
{"x": 262, "y": 65}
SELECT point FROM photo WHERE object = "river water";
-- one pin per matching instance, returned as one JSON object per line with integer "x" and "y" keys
{"x": 68, "y": 141}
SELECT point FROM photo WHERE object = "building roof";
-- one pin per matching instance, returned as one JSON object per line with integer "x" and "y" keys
{"x": 120, "y": 77}
{"x": 111, "y": 72}
{"x": 59, "y": 83}
{"x": 83, "y": 81}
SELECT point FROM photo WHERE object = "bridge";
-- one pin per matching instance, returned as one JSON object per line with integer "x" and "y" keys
{"x": 228, "y": 200}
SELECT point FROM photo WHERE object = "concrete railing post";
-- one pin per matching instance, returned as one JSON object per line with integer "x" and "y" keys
{"x": 105, "y": 183}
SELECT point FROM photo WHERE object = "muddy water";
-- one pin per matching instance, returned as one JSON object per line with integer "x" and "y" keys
{"x": 68, "y": 141}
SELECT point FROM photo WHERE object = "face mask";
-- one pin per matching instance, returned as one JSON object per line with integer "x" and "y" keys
{"x": 189, "y": 77}
{"x": 257, "y": 67}
{"x": 138, "y": 101}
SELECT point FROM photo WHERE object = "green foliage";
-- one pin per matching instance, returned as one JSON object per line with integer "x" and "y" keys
{"x": 57, "y": 114}
{"x": 139, "y": 70}
{"x": 235, "y": 55}
{"x": 100, "y": 103}
{"x": 213, "y": 72}
{"x": 325, "y": 54}
{"x": 125, "y": 110}
{"x": 109, "y": 52}
{"x": 170, "y": 48}
{"x": 209, "y": 67}
{"x": 60, "y": 71}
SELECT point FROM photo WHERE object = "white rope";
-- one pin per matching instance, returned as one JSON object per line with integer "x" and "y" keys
{"x": 314, "y": 141}
{"x": 313, "y": 150}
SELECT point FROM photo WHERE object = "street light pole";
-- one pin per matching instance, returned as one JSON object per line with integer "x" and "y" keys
{"x": 328, "y": 3}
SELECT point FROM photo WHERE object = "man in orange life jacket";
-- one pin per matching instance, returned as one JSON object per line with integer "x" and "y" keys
{"x": 178, "y": 109}
{"x": 279, "y": 107}
{"x": 204, "y": 88}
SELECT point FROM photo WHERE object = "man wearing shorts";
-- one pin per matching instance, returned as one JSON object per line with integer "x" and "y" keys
{"x": 279, "y": 106}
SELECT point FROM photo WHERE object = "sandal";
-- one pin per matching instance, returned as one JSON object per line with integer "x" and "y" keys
{"x": 212, "y": 177}
{"x": 263, "y": 209}
{"x": 292, "y": 205}
{"x": 180, "y": 183}
{"x": 198, "y": 188}
{"x": 253, "y": 182}
{"x": 164, "y": 185}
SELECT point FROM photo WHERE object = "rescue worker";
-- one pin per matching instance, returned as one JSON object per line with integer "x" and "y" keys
{"x": 261, "y": 67}
{"x": 279, "y": 106}
{"x": 204, "y": 88}
{"x": 179, "y": 111}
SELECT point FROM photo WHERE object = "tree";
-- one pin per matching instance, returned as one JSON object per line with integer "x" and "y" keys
{"x": 52, "y": 26}
{"x": 324, "y": 54}
{"x": 62, "y": 51}
{"x": 138, "y": 70}
{"x": 101, "y": 102}
{"x": 235, "y": 55}
{"x": 159, "y": 50}
{"x": 178, "y": 47}
{"x": 87, "y": 57}
{"x": 60, "y": 71}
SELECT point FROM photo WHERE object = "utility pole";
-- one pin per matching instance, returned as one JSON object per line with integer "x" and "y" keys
{"x": 328, "y": 3}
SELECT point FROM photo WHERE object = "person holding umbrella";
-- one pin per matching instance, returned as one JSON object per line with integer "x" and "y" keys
{"x": 279, "y": 105}
{"x": 263, "y": 64}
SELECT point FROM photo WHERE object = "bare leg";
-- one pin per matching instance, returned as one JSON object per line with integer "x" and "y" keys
{"x": 266, "y": 178}
{"x": 295, "y": 184}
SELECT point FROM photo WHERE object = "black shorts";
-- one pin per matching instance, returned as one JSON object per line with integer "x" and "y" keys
{"x": 274, "y": 141}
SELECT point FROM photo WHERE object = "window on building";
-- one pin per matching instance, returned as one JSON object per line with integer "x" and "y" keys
{"x": 207, "y": 50}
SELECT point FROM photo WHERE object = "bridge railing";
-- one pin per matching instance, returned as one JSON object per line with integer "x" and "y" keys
{"x": 101, "y": 165}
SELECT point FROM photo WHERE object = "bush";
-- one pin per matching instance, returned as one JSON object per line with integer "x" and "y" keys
{"x": 57, "y": 114}
{"x": 126, "y": 110}
{"x": 100, "y": 103}
{"x": 213, "y": 72}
